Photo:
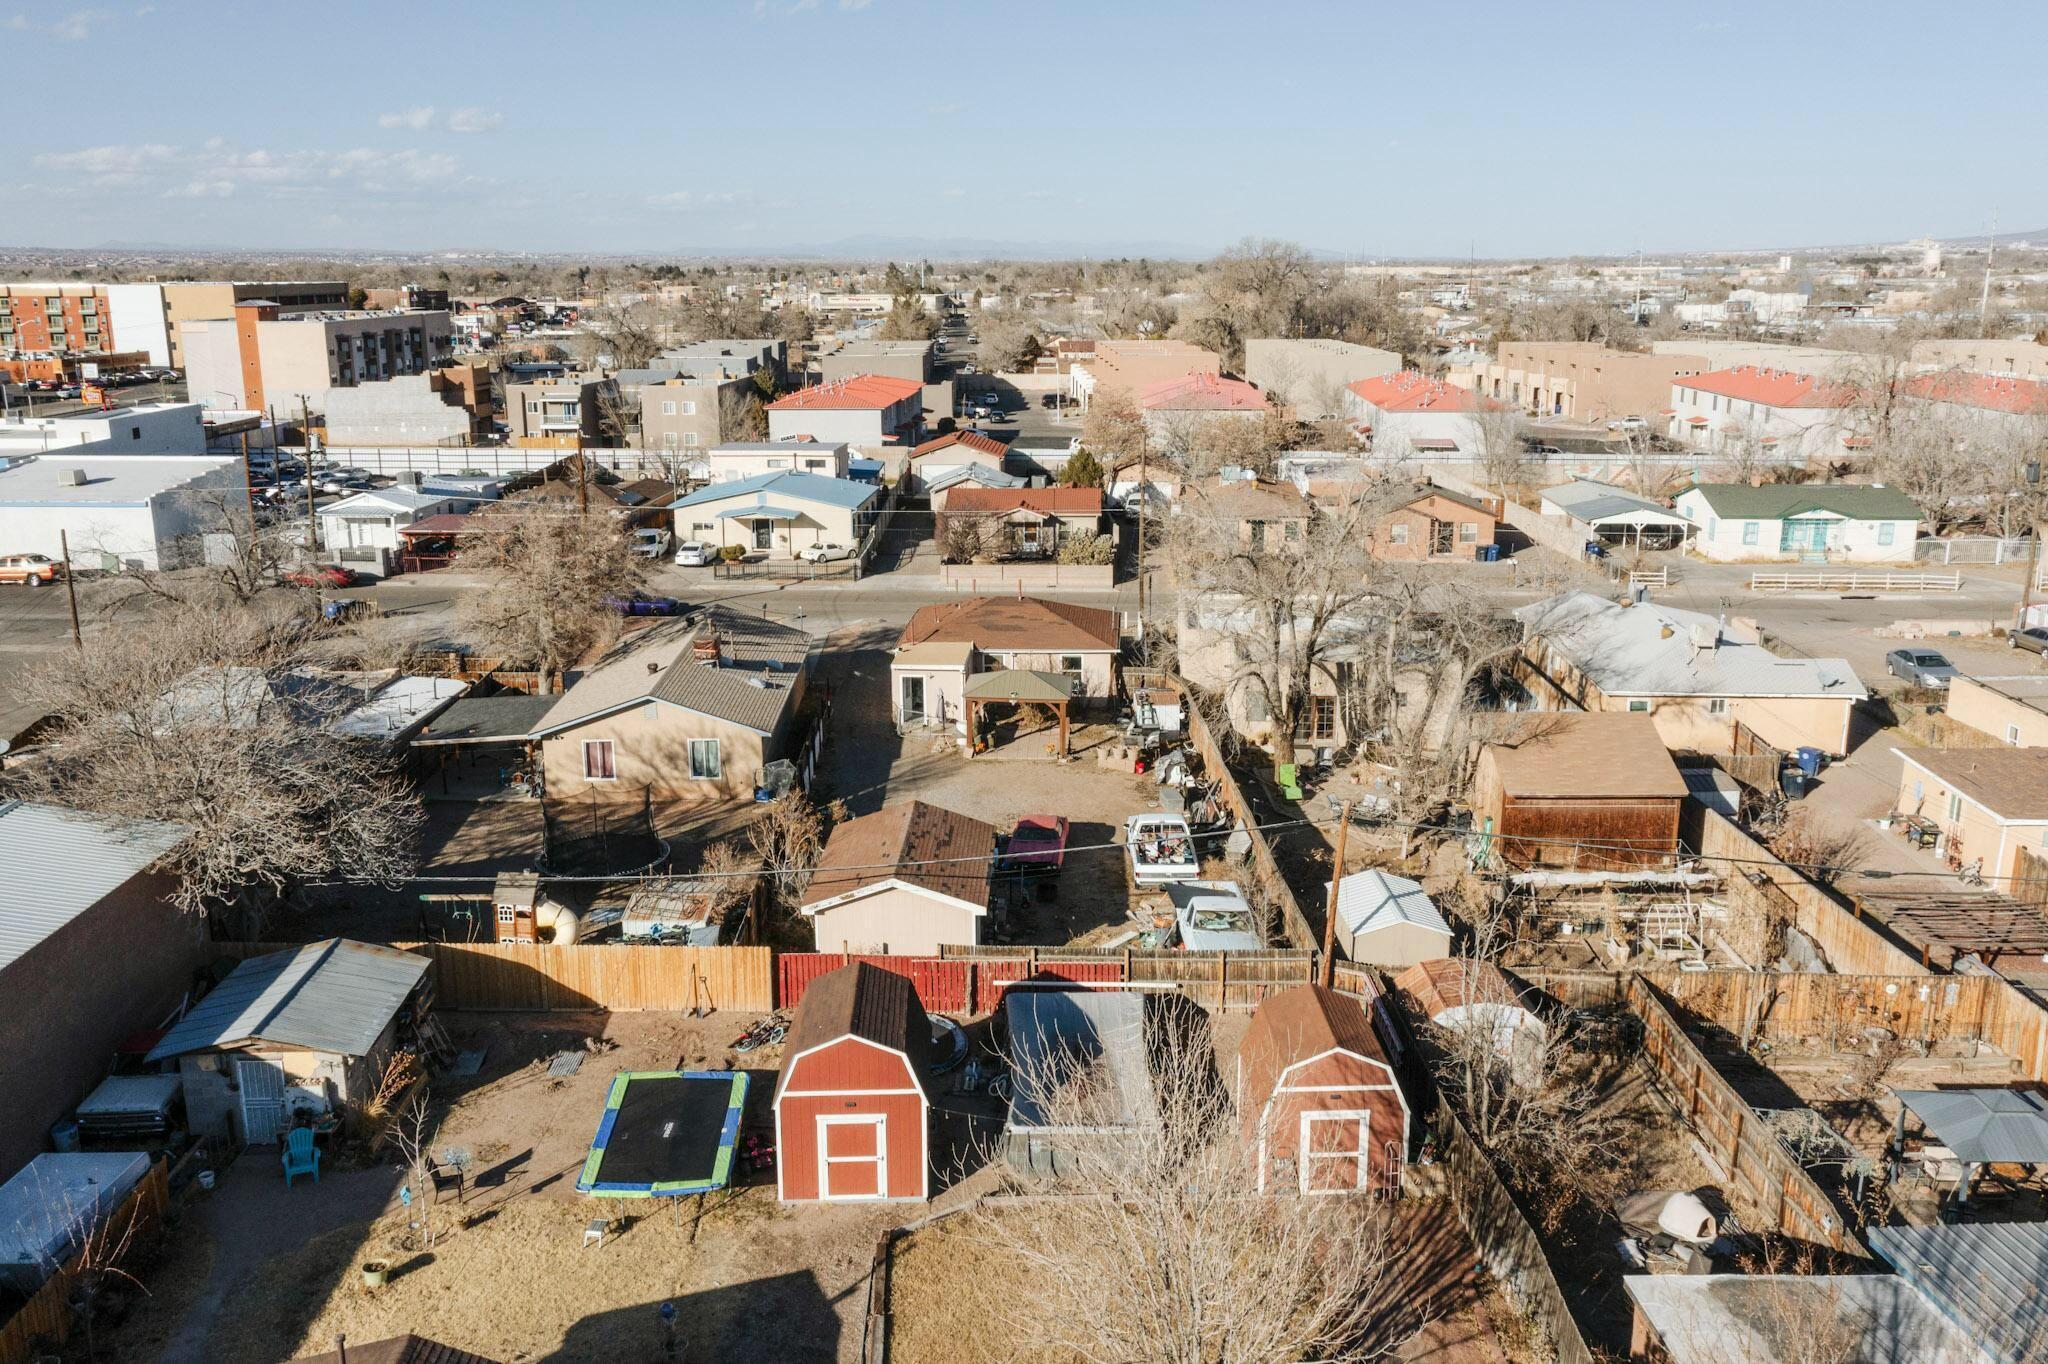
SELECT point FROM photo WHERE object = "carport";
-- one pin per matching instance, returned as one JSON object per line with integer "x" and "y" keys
{"x": 481, "y": 745}
{"x": 1020, "y": 687}
{"x": 1978, "y": 1126}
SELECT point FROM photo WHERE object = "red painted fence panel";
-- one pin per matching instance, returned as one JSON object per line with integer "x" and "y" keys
{"x": 993, "y": 976}
{"x": 941, "y": 984}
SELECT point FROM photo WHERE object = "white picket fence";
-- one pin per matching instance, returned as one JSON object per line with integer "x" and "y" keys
{"x": 1855, "y": 582}
{"x": 1971, "y": 549}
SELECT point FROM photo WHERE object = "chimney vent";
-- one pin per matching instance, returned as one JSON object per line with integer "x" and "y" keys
{"x": 71, "y": 478}
{"x": 705, "y": 649}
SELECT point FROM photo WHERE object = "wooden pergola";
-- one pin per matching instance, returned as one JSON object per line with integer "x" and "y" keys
{"x": 1021, "y": 687}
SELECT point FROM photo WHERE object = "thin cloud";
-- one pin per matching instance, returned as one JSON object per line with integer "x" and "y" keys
{"x": 216, "y": 170}
{"x": 853, "y": 6}
{"x": 474, "y": 120}
{"x": 74, "y": 27}
{"x": 416, "y": 118}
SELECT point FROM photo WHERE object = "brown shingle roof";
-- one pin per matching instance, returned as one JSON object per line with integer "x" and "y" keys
{"x": 1585, "y": 754}
{"x": 973, "y": 440}
{"x": 1243, "y": 500}
{"x": 2009, "y": 782}
{"x": 1296, "y": 1024}
{"x": 1005, "y": 623}
{"x": 886, "y": 843}
{"x": 1050, "y": 501}
{"x": 656, "y": 664}
{"x": 1430, "y": 987}
{"x": 405, "y": 1349}
{"x": 860, "y": 1000}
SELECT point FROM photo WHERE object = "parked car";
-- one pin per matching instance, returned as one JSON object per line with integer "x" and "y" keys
{"x": 2034, "y": 639}
{"x": 33, "y": 569}
{"x": 321, "y": 575}
{"x": 1920, "y": 667}
{"x": 1629, "y": 424}
{"x": 695, "y": 554}
{"x": 824, "y": 554}
{"x": 644, "y": 604}
{"x": 1036, "y": 847}
{"x": 1161, "y": 848}
{"x": 651, "y": 542}
{"x": 1213, "y": 916}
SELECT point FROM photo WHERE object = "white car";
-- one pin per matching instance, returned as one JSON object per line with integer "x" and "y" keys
{"x": 1161, "y": 848}
{"x": 824, "y": 554}
{"x": 651, "y": 542}
{"x": 1213, "y": 916}
{"x": 694, "y": 554}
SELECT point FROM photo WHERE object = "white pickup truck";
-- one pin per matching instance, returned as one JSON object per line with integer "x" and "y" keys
{"x": 1161, "y": 848}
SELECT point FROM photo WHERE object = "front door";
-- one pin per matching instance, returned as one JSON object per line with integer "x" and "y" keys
{"x": 913, "y": 699}
{"x": 764, "y": 534}
{"x": 262, "y": 1084}
{"x": 853, "y": 1156}
{"x": 1334, "y": 1151}
{"x": 1439, "y": 537}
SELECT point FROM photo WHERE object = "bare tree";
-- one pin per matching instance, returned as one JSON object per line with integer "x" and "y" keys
{"x": 1502, "y": 454}
{"x": 969, "y": 537}
{"x": 787, "y": 838}
{"x": 547, "y": 575}
{"x": 1113, "y": 428}
{"x": 209, "y": 719}
{"x": 1009, "y": 342}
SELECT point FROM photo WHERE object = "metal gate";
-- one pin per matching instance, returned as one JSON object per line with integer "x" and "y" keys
{"x": 262, "y": 1084}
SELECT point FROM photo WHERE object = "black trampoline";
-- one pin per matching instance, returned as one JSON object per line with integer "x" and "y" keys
{"x": 665, "y": 1133}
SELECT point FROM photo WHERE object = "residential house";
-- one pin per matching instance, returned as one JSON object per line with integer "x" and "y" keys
{"x": 2010, "y": 710}
{"x": 120, "y": 510}
{"x": 1408, "y": 415}
{"x": 294, "y": 1035}
{"x": 1309, "y": 375}
{"x": 1130, "y": 367}
{"x": 933, "y": 460}
{"x": 737, "y": 460}
{"x": 1035, "y": 521}
{"x": 1990, "y": 804}
{"x": 1254, "y": 513}
{"x": 1615, "y": 516}
{"x": 564, "y": 487}
{"x": 1801, "y": 522}
{"x": 1042, "y": 456}
{"x": 362, "y": 529}
{"x": 1436, "y": 524}
{"x": 92, "y": 950}
{"x": 1696, "y": 676}
{"x": 1173, "y": 407}
{"x": 1083, "y": 642}
{"x": 939, "y": 486}
{"x": 690, "y": 710}
{"x": 566, "y": 414}
{"x": 871, "y": 411}
{"x": 1580, "y": 381}
{"x": 1581, "y": 791}
{"x": 907, "y": 880}
{"x": 1781, "y": 414}
{"x": 778, "y": 514}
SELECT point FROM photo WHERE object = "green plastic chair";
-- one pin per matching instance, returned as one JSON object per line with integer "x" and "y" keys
{"x": 300, "y": 1156}
{"x": 1287, "y": 774}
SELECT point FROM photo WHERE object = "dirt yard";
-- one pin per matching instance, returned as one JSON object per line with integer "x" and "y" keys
{"x": 256, "y": 1272}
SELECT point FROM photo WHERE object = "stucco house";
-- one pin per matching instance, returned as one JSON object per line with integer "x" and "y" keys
{"x": 776, "y": 515}
{"x": 690, "y": 710}
{"x": 1408, "y": 414}
{"x": 954, "y": 450}
{"x": 1696, "y": 676}
{"x": 1035, "y": 521}
{"x": 866, "y": 410}
{"x": 1990, "y": 804}
{"x": 948, "y": 642}
{"x": 737, "y": 460}
{"x": 906, "y": 880}
{"x": 1435, "y": 524}
{"x": 1804, "y": 522}
{"x": 1258, "y": 514}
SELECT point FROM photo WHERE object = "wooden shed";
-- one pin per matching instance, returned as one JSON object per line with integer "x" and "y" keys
{"x": 1474, "y": 997}
{"x": 1317, "y": 1093}
{"x": 852, "y": 1119}
{"x": 1579, "y": 791}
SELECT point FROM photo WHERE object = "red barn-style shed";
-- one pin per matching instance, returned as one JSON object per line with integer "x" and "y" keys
{"x": 1318, "y": 1096}
{"x": 851, "y": 1106}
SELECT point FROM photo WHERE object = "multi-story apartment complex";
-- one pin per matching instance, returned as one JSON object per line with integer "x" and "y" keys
{"x": 1579, "y": 380}
{"x": 83, "y": 318}
{"x": 63, "y": 318}
{"x": 566, "y": 413}
{"x": 261, "y": 358}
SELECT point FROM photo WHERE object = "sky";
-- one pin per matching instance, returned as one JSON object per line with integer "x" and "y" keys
{"x": 1366, "y": 128}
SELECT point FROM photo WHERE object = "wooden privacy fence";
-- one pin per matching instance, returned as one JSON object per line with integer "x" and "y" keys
{"x": 1507, "y": 1245}
{"x": 1762, "y": 1175}
{"x": 1269, "y": 886}
{"x": 973, "y": 980}
{"x": 617, "y": 977}
{"x": 46, "y": 1319}
{"x": 1851, "y": 944}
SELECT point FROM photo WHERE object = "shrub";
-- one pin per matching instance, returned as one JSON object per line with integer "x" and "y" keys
{"x": 1088, "y": 549}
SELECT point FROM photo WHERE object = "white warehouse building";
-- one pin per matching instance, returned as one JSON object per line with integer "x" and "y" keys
{"x": 143, "y": 511}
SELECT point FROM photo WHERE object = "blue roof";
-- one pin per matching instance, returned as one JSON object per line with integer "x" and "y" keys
{"x": 837, "y": 492}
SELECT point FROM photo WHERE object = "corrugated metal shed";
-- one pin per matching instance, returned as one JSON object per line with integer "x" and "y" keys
{"x": 1984, "y": 1276}
{"x": 55, "y": 864}
{"x": 333, "y": 996}
{"x": 1368, "y": 900}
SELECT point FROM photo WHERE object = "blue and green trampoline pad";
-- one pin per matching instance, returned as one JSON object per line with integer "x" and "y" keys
{"x": 665, "y": 1134}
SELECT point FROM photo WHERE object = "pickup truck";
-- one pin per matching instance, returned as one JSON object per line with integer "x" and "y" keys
{"x": 1161, "y": 848}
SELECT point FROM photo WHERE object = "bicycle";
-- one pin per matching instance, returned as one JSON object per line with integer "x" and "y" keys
{"x": 766, "y": 1032}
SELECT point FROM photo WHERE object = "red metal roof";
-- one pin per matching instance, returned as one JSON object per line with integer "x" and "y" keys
{"x": 1203, "y": 392}
{"x": 1412, "y": 391}
{"x": 857, "y": 392}
{"x": 973, "y": 440}
{"x": 1999, "y": 393}
{"x": 1771, "y": 387}
{"x": 1051, "y": 501}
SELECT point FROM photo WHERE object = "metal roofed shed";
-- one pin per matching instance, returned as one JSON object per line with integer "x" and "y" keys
{"x": 1720, "y": 1318}
{"x": 1056, "y": 1035}
{"x": 1978, "y": 1126}
{"x": 1986, "y": 1277}
{"x": 1388, "y": 920}
{"x": 302, "y": 1031}
{"x": 49, "y": 1204}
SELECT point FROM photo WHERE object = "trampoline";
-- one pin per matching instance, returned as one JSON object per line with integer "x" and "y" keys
{"x": 665, "y": 1134}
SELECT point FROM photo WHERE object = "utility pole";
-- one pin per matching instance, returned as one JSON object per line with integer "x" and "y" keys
{"x": 1330, "y": 909}
{"x": 2033, "y": 476}
{"x": 583, "y": 484}
{"x": 1144, "y": 496}
{"x": 70, "y": 588}
{"x": 1984, "y": 299}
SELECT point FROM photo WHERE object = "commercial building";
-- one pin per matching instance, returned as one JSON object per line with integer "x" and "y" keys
{"x": 866, "y": 410}
{"x": 1172, "y": 406}
{"x": 142, "y": 318}
{"x": 451, "y": 406}
{"x": 263, "y": 358}
{"x": 1579, "y": 380}
{"x": 1311, "y": 374}
{"x": 145, "y": 429}
{"x": 145, "y": 511}
{"x": 2006, "y": 356}
{"x": 897, "y": 359}
{"x": 1814, "y": 360}
{"x": 1131, "y": 367}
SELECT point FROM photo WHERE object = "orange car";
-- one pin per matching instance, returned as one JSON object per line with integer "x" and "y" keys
{"x": 33, "y": 569}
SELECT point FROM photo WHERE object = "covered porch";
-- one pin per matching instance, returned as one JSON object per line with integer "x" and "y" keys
{"x": 1972, "y": 1129}
{"x": 1023, "y": 692}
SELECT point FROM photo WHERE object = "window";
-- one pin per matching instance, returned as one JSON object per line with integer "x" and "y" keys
{"x": 1321, "y": 720}
{"x": 597, "y": 761}
{"x": 668, "y": 440}
{"x": 778, "y": 463}
{"x": 668, "y": 409}
{"x": 1398, "y": 533}
{"x": 689, "y": 437}
{"x": 704, "y": 764}
{"x": 1713, "y": 528}
{"x": 505, "y": 914}
{"x": 1468, "y": 532}
{"x": 1887, "y": 532}
{"x": 1638, "y": 707}
{"x": 1955, "y": 807}
{"x": 1919, "y": 792}
{"x": 814, "y": 464}
{"x": 1294, "y": 530}
{"x": 2012, "y": 735}
{"x": 1070, "y": 663}
{"x": 689, "y": 409}
{"x": 1717, "y": 705}
{"x": 1749, "y": 532}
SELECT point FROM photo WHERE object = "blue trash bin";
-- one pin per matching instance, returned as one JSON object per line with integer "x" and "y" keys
{"x": 1811, "y": 760}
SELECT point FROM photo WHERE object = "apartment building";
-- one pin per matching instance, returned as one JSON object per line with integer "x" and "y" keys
{"x": 263, "y": 358}
{"x": 1409, "y": 414}
{"x": 565, "y": 414}
{"x": 897, "y": 359}
{"x": 1814, "y": 360}
{"x": 1131, "y": 367}
{"x": 1579, "y": 380}
{"x": 864, "y": 410}
{"x": 55, "y": 317}
{"x": 2001, "y": 356}
{"x": 1786, "y": 414}
{"x": 451, "y": 406}
{"x": 1311, "y": 374}
{"x": 144, "y": 318}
